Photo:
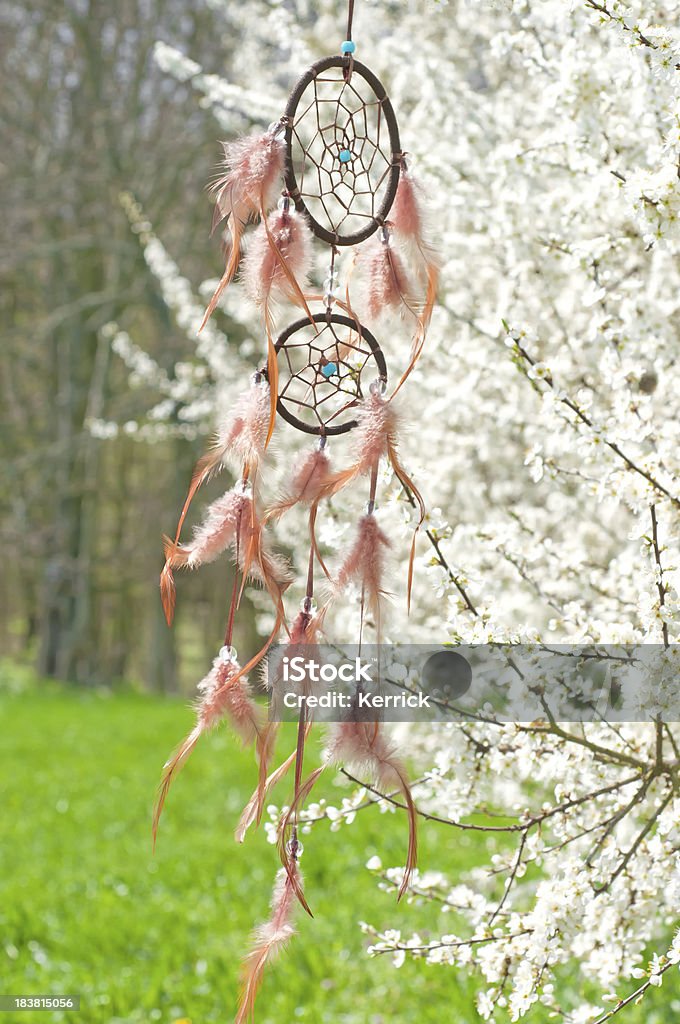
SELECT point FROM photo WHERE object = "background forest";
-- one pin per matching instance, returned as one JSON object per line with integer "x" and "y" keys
{"x": 86, "y": 115}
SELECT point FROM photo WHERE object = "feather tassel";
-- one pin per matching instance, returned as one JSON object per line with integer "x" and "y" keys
{"x": 364, "y": 565}
{"x": 310, "y": 473}
{"x": 252, "y": 171}
{"x": 374, "y": 437}
{"x": 408, "y": 222}
{"x": 365, "y": 748}
{"x": 230, "y": 521}
{"x": 304, "y": 632}
{"x": 281, "y": 243}
{"x": 277, "y": 261}
{"x": 224, "y": 693}
{"x": 376, "y": 425}
{"x": 269, "y": 940}
{"x": 241, "y": 440}
{"x": 385, "y": 280}
{"x": 249, "y": 814}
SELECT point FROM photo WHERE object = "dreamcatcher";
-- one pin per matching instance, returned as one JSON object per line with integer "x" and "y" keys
{"x": 331, "y": 168}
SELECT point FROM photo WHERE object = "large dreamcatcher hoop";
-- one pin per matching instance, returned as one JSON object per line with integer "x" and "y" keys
{"x": 324, "y": 372}
{"x": 343, "y": 154}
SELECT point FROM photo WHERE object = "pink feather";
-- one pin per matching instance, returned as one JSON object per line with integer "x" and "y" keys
{"x": 309, "y": 474}
{"x": 376, "y": 429}
{"x": 231, "y": 521}
{"x": 242, "y": 436}
{"x": 279, "y": 258}
{"x": 304, "y": 633}
{"x": 365, "y": 566}
{"x": 269, "y": 939}
{"x": 241, "y": 440}
{"x": 223, "y": 696}
{"x": 221, "y": 527}
{"x": 408, "y": 223}
{"x": 374, "y": 437}
{"x": 305, "y": 630}
{"x": 406, "y": 215}
{"x": 364, "y": 747}
{"x": 224, "y": 693}
{"x": 253, "y": 168}
{"x": 385, "y": 280}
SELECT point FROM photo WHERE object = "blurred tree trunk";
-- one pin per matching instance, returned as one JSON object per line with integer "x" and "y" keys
{"x": 90, "y": 116}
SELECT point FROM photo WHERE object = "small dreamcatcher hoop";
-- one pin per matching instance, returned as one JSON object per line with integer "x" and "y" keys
{"x": 343, "y": 151}
{"x": 324, "y": 367}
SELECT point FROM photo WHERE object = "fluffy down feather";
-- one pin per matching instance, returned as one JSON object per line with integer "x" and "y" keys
{"x": 269, "y": 939}
{"x": 223, "y": 693}
{"x": 230, "y": 522}
{"x": 364, "y": 565}
{"x": 310, "y": 472}
{"x": 253, "y": 168}
{"x": 278, "y": 259}
{"x": 365, "y": 748}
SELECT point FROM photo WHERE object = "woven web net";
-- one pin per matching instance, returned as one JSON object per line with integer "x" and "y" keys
{"x": 320, "y": 374}
{"x": 341, "y": 151}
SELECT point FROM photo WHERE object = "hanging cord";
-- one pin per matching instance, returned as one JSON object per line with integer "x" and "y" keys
{"x": 348, "y": 47}
{"x": 302, "y": 720}
{"x": 350, "y": 16}
{"x": 229, "y": 633}
{"x": 330, "y": 285}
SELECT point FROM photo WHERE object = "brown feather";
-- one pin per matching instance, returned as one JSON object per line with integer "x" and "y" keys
{"x": 249, "y": 813}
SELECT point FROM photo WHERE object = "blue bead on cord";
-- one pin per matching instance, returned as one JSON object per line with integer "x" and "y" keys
{"x": 344, "y": 156}
{"x": 348, "y": 46}
{"x": 329, "y": 369}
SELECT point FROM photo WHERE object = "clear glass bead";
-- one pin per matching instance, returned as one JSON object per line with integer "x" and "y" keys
{"x": 284, "y": 203}
{"x": 308, "y": 605}
{"x": 378, "y": 386}
{"x": 294, "y": 848}
{"x": 227, "y": 653}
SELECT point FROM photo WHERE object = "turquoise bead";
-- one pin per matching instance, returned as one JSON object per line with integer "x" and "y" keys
{"x": 345, "y": 156}
{"x": 348, "y": 46}
{"x": 329, "y": 369}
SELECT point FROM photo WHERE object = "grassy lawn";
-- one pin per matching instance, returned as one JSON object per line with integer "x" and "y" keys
{"x": 86, "y": 909}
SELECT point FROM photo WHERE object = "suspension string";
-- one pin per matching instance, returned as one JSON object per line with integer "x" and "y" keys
{"x": 350, "y": 17}
{"x": 374, "y": 486}
{"x": 309, "y": 592}
{"x": 330, "y": 284}
{"x": 302, "y": 720}
{"x": 228, "y": 636}
{"x": 370, "y": 508}
{"x": 348, "y": 47}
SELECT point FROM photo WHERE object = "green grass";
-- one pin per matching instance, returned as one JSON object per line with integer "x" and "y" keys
{"x": 86, "y": 909}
